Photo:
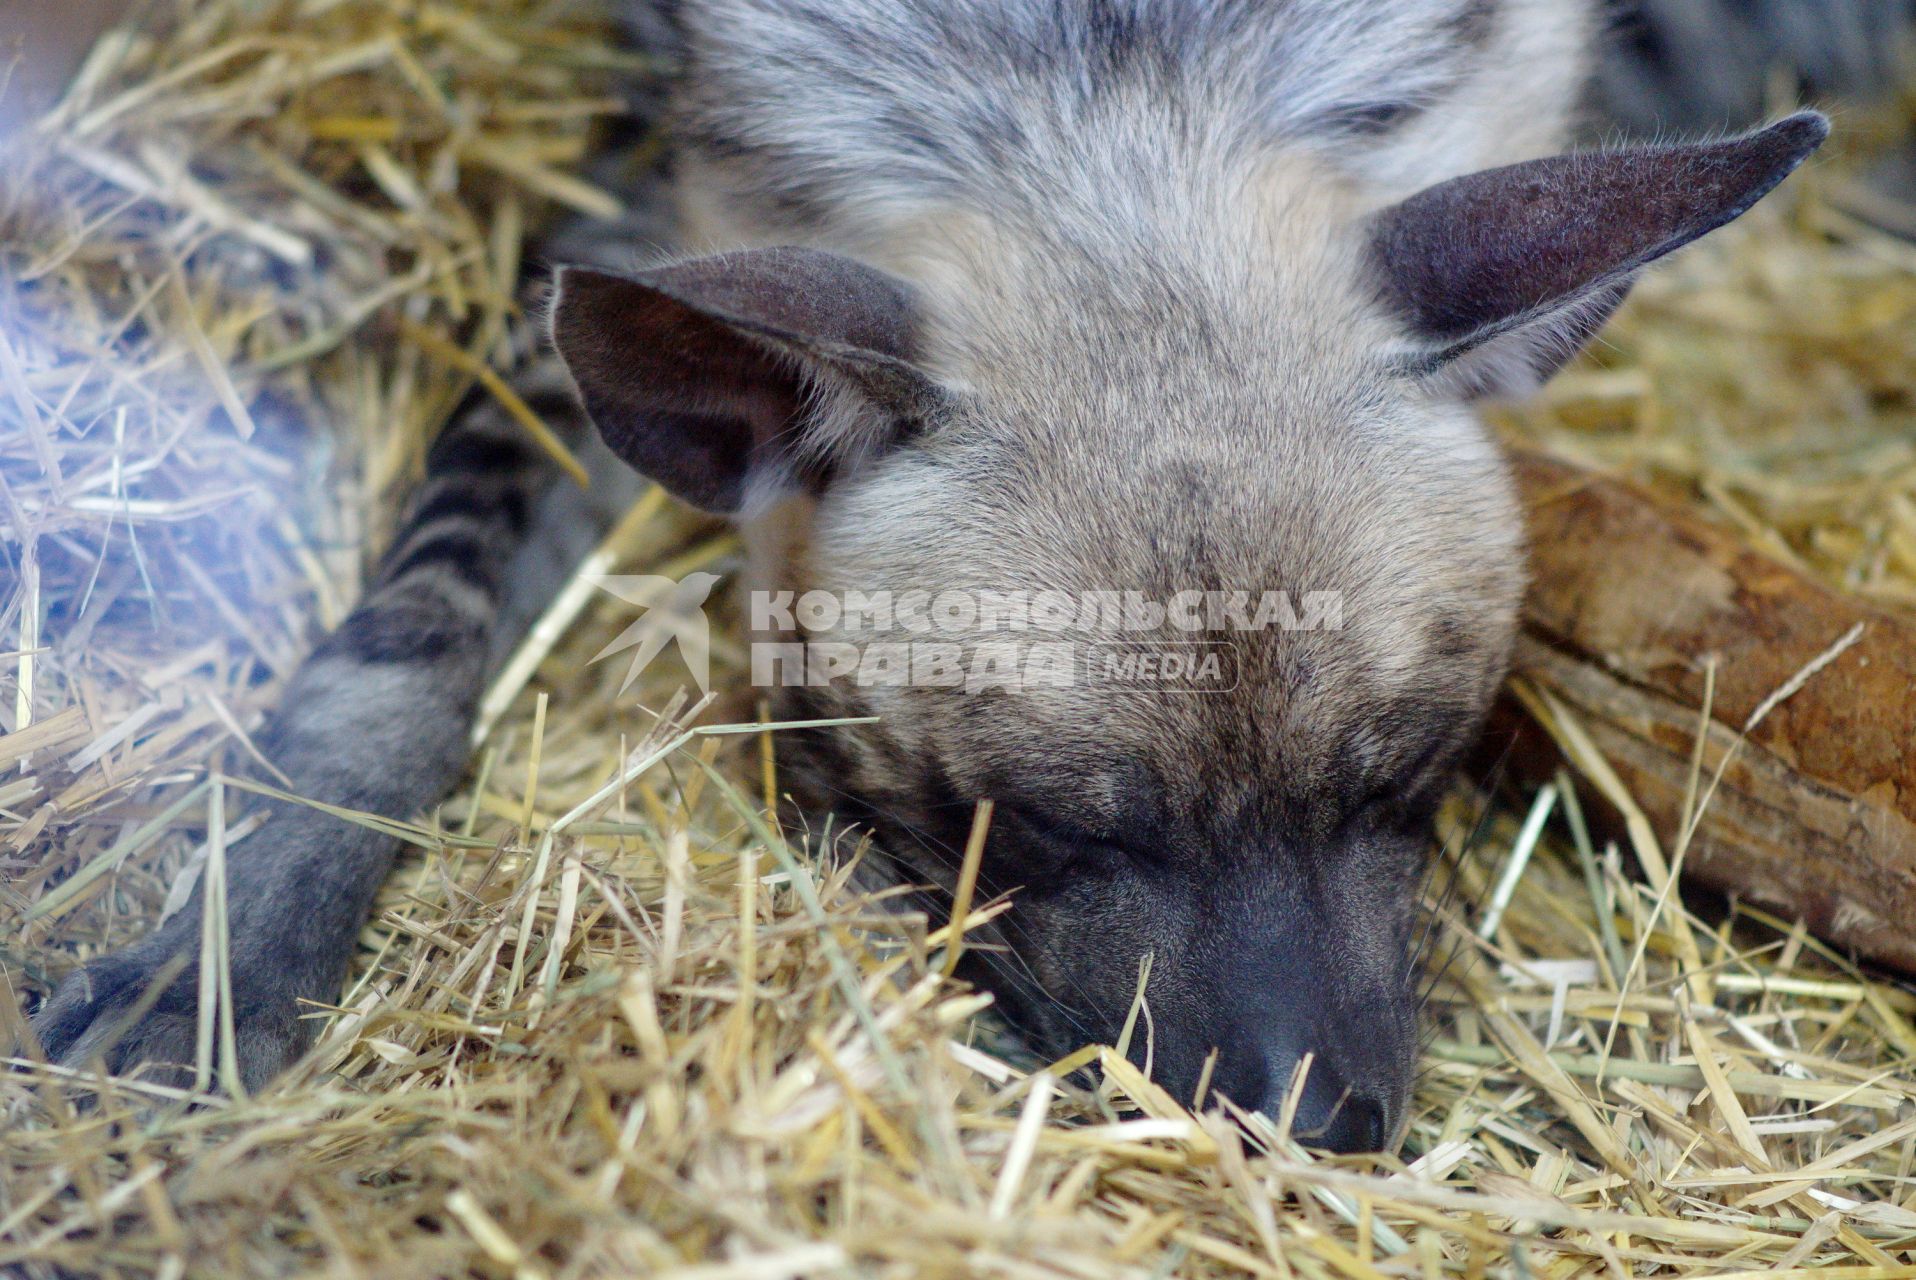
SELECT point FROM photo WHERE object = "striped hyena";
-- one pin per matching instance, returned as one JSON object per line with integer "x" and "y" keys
{"x": 1163, "y": 299}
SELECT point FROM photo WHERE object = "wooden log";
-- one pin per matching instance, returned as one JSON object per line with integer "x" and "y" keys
{"x": 1633, "y": 600}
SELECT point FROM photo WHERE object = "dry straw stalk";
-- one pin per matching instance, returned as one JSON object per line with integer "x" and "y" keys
{"x": 610, "y": 1019}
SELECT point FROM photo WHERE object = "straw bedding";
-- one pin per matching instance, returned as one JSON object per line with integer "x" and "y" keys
{"x": 608, "y": 1018}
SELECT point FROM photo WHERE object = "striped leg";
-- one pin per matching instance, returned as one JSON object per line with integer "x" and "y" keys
{"x": 377, "y": 719}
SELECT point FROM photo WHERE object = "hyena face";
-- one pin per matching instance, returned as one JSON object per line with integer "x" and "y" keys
{"x": 1266, "y": 397}
{"x": 1258, "y": 833}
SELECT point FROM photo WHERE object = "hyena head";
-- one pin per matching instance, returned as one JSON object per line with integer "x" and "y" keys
{"x": 1248, "y": 409}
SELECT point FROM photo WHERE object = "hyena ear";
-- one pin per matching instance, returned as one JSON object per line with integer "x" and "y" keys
{"x": 1502, "y": 275}
{"x": 735, "y": 378}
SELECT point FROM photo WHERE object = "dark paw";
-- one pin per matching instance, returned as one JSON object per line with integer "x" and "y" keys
{"x": 138, "y": 1011}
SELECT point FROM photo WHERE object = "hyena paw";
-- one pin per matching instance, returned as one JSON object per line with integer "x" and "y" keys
{"x": 107, "y": 1011}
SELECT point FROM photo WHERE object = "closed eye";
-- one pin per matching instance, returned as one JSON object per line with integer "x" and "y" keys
{"x": 1403, "y": 795}
{"x": 1062, "y": 838}
{"x": 1368, "y": 119}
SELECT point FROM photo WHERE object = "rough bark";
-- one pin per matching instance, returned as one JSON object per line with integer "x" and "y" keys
{"x": 1631, "y": 596}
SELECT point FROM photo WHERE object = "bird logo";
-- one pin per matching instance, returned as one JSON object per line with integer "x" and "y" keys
{"x": 674, "y": 613}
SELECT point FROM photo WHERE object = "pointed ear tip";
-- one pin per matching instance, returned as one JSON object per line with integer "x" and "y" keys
{"x": 1805, "y": 131}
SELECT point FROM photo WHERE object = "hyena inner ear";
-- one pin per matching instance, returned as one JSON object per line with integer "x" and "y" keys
{"x": 1502, "y": 275}
{"x": 734, "y": 378}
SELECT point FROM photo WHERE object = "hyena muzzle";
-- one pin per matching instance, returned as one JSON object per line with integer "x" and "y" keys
{"x": 1161, "y": 299}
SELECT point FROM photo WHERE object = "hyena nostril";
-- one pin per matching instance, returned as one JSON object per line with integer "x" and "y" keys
{"x": 1339, "y": 1120}
{"x": 1331, "y": 1113}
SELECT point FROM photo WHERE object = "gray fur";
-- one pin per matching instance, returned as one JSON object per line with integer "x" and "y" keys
{"x": 1109, "y": 312}
{"x": 1156, "y": 249}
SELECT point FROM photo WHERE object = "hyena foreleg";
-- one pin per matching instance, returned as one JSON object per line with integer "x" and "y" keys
{"x": 376, "y": 720}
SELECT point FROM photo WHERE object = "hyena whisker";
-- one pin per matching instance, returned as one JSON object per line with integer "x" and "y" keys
{"x": 1432, "y": 912}
{"x": 1009, "y": 963}
{"x": 1450, "y": 860}
{"x": 1437, "y": 979}
{"x": 1012, "y": 955}
{"x": 1006, "y": 922}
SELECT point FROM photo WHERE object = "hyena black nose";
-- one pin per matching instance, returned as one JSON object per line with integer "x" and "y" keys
{"x": 1330, "y": 1113}
{"x": 1342, "y": 1122}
